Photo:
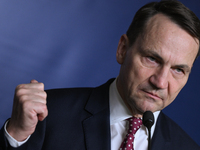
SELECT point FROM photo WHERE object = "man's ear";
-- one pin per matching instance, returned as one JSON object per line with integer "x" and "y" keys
{"x": 122, "y": 48}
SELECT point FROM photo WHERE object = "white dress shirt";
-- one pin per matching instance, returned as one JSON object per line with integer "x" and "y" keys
{"x": 11, "y": 140}
{"x": 118, "y": 124}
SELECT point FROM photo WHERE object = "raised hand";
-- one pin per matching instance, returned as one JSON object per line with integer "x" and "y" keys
{"x": 29, "y": 107}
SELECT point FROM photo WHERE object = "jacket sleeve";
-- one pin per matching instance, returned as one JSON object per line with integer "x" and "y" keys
{"x": 35, "y": 142}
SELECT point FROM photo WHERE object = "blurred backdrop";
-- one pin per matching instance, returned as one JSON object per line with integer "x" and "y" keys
{"x": 72, "y": 43}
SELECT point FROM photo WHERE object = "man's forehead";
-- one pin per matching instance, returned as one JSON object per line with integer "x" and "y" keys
{"x": 155, "y": 22}
{"x": 176, "y": 47}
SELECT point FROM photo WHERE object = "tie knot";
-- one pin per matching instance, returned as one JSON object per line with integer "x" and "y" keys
{"x": 134, "y": 124}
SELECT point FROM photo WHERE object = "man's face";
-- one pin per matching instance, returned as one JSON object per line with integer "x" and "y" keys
{"x": 156, "y": 67}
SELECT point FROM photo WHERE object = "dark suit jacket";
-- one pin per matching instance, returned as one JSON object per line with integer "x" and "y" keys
{"x": 78, "y": 119}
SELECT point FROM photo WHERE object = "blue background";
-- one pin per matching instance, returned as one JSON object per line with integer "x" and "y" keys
{"x": 72, "y": 43}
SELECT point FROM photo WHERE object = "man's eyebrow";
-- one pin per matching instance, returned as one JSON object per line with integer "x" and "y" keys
{"x": 183, "y": 66}
{"x": 152, "y": 53}
{"x": 157, "y": 56}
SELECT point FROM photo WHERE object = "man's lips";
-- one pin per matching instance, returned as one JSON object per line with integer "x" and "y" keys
{"x": 152, "y": 95}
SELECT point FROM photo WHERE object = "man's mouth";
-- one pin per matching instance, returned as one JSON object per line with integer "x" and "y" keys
{"x": 152, "y": 95}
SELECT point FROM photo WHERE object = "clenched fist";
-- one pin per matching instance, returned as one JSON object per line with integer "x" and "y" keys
{"x": 29, "y": 106}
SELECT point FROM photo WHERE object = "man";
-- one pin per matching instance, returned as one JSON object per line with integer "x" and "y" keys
{"x": 156, "y": 56}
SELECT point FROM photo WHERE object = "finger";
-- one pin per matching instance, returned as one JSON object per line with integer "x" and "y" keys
{"x": 35, "y": 110}
{"x": 34, "y": 81}
{"x": 28, "y": 92}
{"x": 34, "y": 85}
{"x": 42, "y": 112}
{"x": 33, "y": 98}
{"x": 42, "y": 116}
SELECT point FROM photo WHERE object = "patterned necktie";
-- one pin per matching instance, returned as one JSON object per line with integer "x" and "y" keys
{"x": 134, "y": 125}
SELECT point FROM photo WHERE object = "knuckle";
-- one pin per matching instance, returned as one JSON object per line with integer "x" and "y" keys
{"x": 42, "y": 95}
{"x": 19, "y": 92}
{"x": 41, "y": 85}
{"x": 44, "y": 109}
{"x": 45, "y": 94}
{"x": 20, "y": 86}
{"x": 23, "y": 98}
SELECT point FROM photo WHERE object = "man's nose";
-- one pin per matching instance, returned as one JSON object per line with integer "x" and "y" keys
{"x": 160, "y": 78}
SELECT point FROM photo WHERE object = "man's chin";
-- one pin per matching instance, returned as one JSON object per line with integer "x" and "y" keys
{"x": 142, "y": 106}
{"x": 148, "y": 107}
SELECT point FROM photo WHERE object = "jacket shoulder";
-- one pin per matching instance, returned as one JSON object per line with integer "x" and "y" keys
{"x": 170, "y": 134}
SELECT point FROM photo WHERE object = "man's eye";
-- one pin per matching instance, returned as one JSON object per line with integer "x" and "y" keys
{"x": 150, "y": 62}
{"x": 151, "y": 59}
{"x": 178, "y": 70}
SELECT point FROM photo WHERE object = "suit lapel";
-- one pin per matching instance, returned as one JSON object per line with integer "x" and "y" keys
{"x": 97, "y": 127}
{"x": 161, "y": 138}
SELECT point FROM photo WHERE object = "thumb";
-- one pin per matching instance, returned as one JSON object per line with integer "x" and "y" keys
{"x": 34, "y": 81}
